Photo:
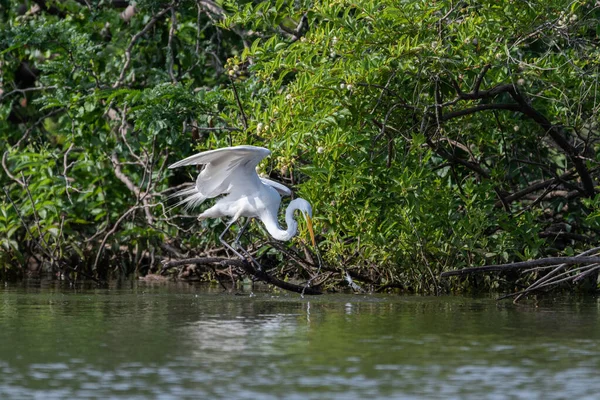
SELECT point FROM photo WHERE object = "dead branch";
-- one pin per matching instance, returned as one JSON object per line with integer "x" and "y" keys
{"x": 522, "y": 265}
{"x": 200, "y": 261}
{"x": 478, "y": 108}
{"x": 457, "y": 160}
{"x": 122, "y": 177}
{"x": 31, "y": 89}
{"x": 248, "y": 268}
{"x": 566, "y": 276}
{"x": 116, "y": 226}
{"x": 552, "y": 276}
{"x": 535, "y": 187}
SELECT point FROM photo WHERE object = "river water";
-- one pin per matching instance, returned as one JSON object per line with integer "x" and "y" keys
{"x": 176, "y": 341}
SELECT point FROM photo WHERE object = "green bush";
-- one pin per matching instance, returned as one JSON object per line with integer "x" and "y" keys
{"x": 427, "y": 136}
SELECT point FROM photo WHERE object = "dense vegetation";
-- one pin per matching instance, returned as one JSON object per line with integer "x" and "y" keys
{"x": 428, "y": 135}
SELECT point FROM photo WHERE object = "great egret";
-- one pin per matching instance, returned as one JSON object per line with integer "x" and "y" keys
{"x": 231, "y": 171}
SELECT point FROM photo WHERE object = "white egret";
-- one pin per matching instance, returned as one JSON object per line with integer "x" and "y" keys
{"x": 231, "y": 171}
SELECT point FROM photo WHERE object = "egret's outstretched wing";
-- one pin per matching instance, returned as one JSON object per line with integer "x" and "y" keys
{"x": 224, "y": 170}
{"x": 281, "y": 189}
{"x": 224, "y": 153}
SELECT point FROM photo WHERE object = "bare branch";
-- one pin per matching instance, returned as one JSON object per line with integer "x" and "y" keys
{"x": 170, "y": 51}
{"x": 122, "y": 177}
{"x": 535, "y": 187}
{"x": 262, "y": 275}
{"x": 522, "y": 265}
{"x": 135, "y": 38}
{"x": 37, "y": 221}
{"x": 478, "y": 108}
{"x": 454, "y": 159}
{"x": 25, "y": 90}
{"x": 8, "y": 173}
{"x": 212, "y": 7}
{"x": 480, "y": 77}
{"x": 239, "y": 103}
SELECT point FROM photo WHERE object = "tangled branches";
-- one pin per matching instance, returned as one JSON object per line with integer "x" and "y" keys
{"x": 559, "y": 270}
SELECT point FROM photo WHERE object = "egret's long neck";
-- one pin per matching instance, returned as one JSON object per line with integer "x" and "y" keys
{"x": 275, "y": 230}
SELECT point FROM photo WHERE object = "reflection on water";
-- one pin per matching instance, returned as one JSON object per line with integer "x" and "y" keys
{"x": 177, "y": 341}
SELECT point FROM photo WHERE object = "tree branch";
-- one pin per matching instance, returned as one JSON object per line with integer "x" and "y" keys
{"x": 30, "y": 89}
{"x": 134, "y": 39}
{"x": 452, "y": 158}
{"x": 239, "y": 103}
{"x": 479, "y": 107}
{"x": 535, "y": 187}
{"x": 522, "y": 265}
{"x": 556, "y": 132}
{"x": 248, "y": 268}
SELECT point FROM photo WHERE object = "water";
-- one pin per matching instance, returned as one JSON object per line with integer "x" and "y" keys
{"x": 168, "y": 341}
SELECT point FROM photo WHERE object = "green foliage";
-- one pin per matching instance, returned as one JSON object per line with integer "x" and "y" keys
{"x": 93, "y": 107}
{"x": 403, "y": 185}
{"x": 416, "y": 129}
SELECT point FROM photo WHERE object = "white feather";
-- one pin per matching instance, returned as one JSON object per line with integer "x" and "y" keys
{"x": 231, "y": 172}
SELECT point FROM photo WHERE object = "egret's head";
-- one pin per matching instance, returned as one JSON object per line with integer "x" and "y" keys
{"x": 306, "y": 209}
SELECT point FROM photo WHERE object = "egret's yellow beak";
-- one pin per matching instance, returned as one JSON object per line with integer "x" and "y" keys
{"x": 309, "y": 224}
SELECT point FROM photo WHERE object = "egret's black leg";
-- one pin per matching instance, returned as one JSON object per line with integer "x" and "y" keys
{"x": 241, "y": 232}
{"x": 227, "y": 245}
{"x": 242, "y": 249}
{"x": 238, "y": 244}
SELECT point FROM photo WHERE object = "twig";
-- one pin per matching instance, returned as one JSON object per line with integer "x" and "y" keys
{"x": 132, "y": 187}
{"x": 552, "y": 273}
{"x": 56, "y": 250}
{"x": 239, "y": 103}
{"x": 310, "y": 281}
{"x": 216, "y": 128}
{"x": 11, "y": 176}
{"x": 23, "y": 221}
{"x": 170, "y": 52}
{"x": 200, "y": 260}
{"x": 65, "y": 170}
{"x": 523, "y": 264}
{"x": 292, "y": 255}
{"x": 122, "y": 177}
{"x": 263, "y": 276}
{"x": 31, "y": 89}
{"x": 480, "y": 77}
{"x": 123, "y": 129}
{"x": 535, "y": 187}
{"x": 478, "y": 108}
{"x": 554, "y": 281}
{"x": 114, "y": 229}
{"x": 586, "y": 273}
{"x": 135, "y": 38}
{"x": 36, "y": 123}
{"x": 212, "y": 7}
{"x": 37, "y": 219}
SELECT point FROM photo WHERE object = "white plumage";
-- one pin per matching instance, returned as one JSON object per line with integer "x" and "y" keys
{"x": 231, "y": 172}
